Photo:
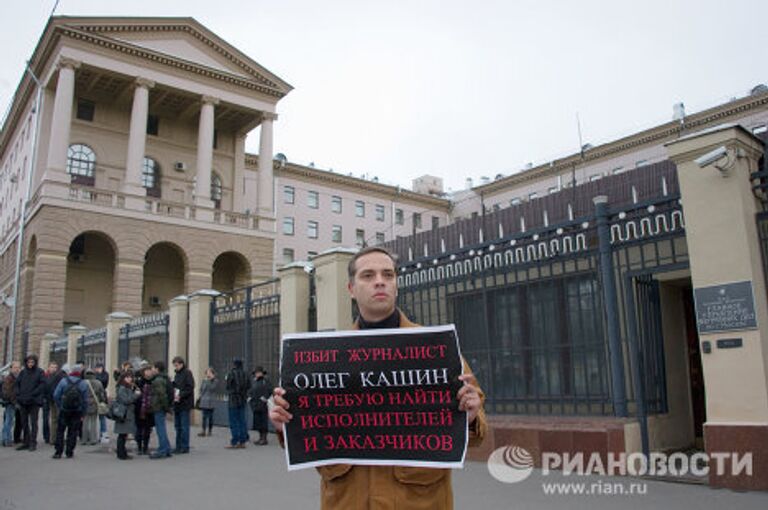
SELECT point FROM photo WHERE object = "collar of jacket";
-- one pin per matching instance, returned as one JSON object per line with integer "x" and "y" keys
{"x": 405, "y": 322}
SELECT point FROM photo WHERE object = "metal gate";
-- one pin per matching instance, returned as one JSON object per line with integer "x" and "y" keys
{"x": 144, "y": 338}
{"x": 91, "y": 347}
{"x": 245, "y": 324}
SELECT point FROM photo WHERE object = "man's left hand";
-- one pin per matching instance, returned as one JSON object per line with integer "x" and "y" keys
{"x": 468, "y": 397}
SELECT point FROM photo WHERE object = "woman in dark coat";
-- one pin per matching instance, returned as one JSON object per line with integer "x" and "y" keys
{"x": 144, "y": 418}
{"x": 127, "y": 395}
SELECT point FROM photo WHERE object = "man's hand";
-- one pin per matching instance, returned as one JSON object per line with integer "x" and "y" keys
{"x": 469, "y": 399}
{"x": 278, "y": 413}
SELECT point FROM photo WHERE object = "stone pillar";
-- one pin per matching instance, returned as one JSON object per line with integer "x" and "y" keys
{"x": 199, "y": 335}
{"x": 115, "y": 321}
{"x": 44, "y": 354}
{"x": 240, "y": 202}
{"x": 294, "y": 298}
{"x": 178, "y": 315}
{"x": 137, "y": 139}
{"x": 48, "y": 292}
{"x": 724, "y": 248}
{"x": 73, "y": 336}
{"x": 205, "y": 153}
{"x": 334, "y": 305}
{"x": 61, "y": 122}
{"x": 127, "y": 287}
{"x": 266, "y": 181}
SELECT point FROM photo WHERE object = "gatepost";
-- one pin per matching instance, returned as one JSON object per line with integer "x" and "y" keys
{"x": 73, "y": 335}
{"x": 334, "y": 306}
{"x": 294, "y": 297}
{"x": 44, "y": 357}
{"x": 178, "y": 315}
{"x": 729, "y": 287}
{"x": 199, "y": 337}
{"x": 115, "y": 321}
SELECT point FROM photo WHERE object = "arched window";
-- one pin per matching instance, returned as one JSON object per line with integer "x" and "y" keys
{"x": 216, "y": 190}
{"x": 150, "y": 177}
{"x": 81, "y": 162}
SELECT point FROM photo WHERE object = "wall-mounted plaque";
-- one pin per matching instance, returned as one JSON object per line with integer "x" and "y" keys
{"x": 727, "y": 307}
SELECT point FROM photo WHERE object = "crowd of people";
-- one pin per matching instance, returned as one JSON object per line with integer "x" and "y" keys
{"x": 76, "y": 405}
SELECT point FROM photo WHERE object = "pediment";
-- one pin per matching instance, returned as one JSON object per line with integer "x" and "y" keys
{"x": 183, "y": 39}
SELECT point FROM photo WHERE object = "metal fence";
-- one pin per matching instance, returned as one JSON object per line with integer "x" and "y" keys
{"x": 91, "y": 347}
{"x": 245, "y": 324}
{"x": 58, "y": 350}
{"x": 144, "y": 338}
{"x": 531, "y": 307}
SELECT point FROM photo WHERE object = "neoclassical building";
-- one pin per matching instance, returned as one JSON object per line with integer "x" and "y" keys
{"x": 126, "y": 140}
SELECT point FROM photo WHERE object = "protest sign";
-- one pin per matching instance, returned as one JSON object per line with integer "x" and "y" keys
{"x": 374, "y": 397}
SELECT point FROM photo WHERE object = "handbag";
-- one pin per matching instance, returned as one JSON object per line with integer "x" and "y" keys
{"x": 117, "y": 411}
{"x": 102, "y": 409}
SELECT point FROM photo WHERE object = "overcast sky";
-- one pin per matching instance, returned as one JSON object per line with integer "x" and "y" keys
{"x": 400, "y": 88}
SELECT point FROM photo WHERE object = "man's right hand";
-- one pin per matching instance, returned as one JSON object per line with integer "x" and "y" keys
{"x": 278, "y": 413}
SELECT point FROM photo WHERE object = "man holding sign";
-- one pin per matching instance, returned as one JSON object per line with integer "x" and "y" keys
{"x": 418, "y": 366}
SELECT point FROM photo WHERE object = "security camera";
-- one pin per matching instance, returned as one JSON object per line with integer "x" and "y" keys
{"x": 712, "y": 157}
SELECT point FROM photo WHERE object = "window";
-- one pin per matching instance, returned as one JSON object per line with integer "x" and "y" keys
{"x": 532, "y": 196}
{"x": 289, "y": 195}
{"x": 287, "y": 255}
{"x": 85, "y": 109}
{"x": 360, "y": 237}
{"x": 399, "y": 217}
{"x": 336, "y": 234}
{"x": 336, "y": 204}
{"x": 81, "y": 162}
{"x": 417, "y": 220}
{"x": 216, "y": 190}
{"x": 380, "y": 238}
{"x": 359, "y": 208}
{"x": 288, "y": 226}
{"x": 153, "y": 124}
{"x": 150, "y": 177}
{"x": 515, "y": 201}
{"x": 436, "y": 221}
{"x": 379, "y": 212}
{"x": 312, "y": 228}
{"x": 313, "y": 199}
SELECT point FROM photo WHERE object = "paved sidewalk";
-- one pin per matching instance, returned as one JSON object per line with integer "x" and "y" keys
{"x": 214, "y": 477}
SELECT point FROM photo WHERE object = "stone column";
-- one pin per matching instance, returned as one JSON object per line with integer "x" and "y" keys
{"x": 48, "y": 293}
{"x": 44, "y": 354}
{"x": 137, "y": 139}
{"x": 265, "y": 179}
{"x": 240, "y": 202}
{"x": 61, "y": 122}
{"x": 178, "y": 315}
{"x": 115, "y": 321}
{"x": 294, "y": 298}
{"x": 73, "y": 336}
{"x": 724, "y": 248}
{"x": 199, "y": 335}
{"x": 205, "y": 152}
{"x": 126, "y": 289}
{"x": 334, "y": 305}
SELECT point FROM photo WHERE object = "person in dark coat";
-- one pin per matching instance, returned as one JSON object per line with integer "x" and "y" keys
{"x": 30, "y": 391}
{"x": 258, "y": 395}
{"x": 144, "y": 418}
{"x": 160, "y": 404}
{"x": 70, "y": 418}
{"x": 237, "y": 393}
{"x": 9, "y": 402}
{"x": 126, "y": 394}
{"x": 183, "y": 402}
{"x": 54, "y": 377}
{"x": 208, "y": 400}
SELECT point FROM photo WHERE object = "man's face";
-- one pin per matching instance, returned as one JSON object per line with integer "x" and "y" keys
{"x": 30, "y": 363}
{"x": 374, "y": 286}
{"x": 99, "y": 370}
{"x": 177, "y": 365}
{"x": 15, "y": 368}
{"x": 53, "y": 367}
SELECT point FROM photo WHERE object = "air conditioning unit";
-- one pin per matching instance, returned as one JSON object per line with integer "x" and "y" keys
{"x": 154, "y": 301}
{"x": 180, "y": 166}
{"x": 77, "y": 257}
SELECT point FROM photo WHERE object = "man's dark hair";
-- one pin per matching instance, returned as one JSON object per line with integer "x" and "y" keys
{"x": 179, "y": 359}
{"x": 351, "y": 267}
{"x": 160, "y": 366}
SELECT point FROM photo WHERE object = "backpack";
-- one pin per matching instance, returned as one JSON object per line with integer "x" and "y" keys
{"x": 71, "y": 398}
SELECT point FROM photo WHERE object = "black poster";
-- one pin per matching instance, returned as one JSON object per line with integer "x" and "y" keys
{"x": 374, "y": 397}
{"x": 726, "y": 307}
